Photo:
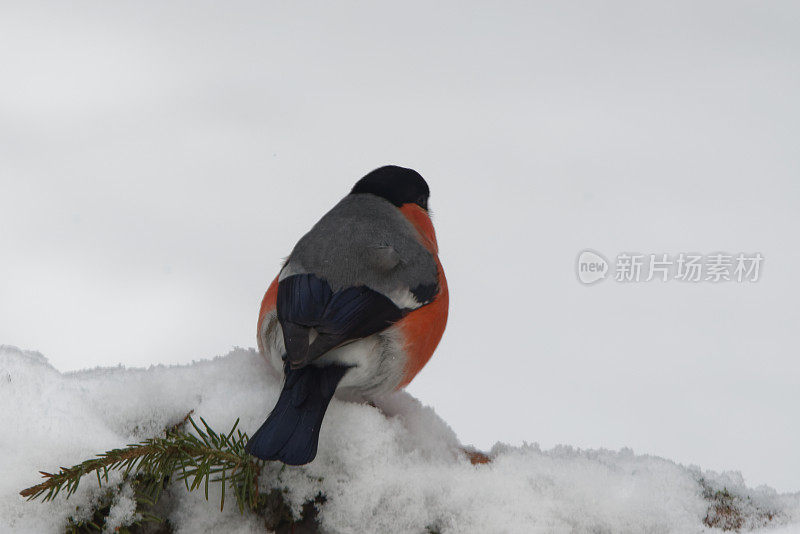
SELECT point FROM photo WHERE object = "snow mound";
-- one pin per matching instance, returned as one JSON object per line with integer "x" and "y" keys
{"x": 399, "y": 468}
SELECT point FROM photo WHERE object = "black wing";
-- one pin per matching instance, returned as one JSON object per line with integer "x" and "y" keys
{"x": 315, "y": 319}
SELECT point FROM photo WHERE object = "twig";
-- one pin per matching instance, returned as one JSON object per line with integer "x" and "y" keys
{"x": 196, "y": 459}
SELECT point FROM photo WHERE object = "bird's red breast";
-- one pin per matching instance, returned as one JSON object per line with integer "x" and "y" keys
{"x": 423, "y": 328}
{"x": 268, "y": 304}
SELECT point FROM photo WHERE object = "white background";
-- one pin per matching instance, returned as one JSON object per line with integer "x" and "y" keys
{"x": 158, "y": 161}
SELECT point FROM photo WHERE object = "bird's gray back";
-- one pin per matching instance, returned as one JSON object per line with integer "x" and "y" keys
{"x": 364, "y": 240}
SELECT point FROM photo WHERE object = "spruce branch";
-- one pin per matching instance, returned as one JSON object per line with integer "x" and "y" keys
{"x": 197, "y": 460}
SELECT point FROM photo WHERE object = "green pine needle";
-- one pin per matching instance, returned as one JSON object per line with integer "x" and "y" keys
{"x": 202, "y": 458}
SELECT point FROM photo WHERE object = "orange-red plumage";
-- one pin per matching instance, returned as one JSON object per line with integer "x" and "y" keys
{"x": 423, "y": 328}
{"x": 267, "y": 305}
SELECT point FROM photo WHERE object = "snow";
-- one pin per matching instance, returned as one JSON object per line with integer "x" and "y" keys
{"x": 160, "y": 158}
{"x": 123, "y": 508}
{"x": 396, "y": 468}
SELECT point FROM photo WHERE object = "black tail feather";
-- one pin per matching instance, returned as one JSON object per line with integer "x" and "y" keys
{"x": 291, "y": 432}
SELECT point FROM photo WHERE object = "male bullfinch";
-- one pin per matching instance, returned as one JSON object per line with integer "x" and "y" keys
{"x": 358, "y": 309}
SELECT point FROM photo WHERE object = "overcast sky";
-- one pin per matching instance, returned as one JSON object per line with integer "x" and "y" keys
{"x": 158, "y": 160}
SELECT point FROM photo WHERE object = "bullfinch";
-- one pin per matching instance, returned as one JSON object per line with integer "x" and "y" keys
{"x": 357, "y": 309}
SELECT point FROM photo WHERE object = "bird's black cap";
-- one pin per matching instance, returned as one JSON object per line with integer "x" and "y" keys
{"x": 398, "y": 185}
